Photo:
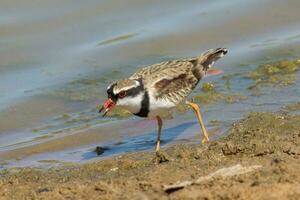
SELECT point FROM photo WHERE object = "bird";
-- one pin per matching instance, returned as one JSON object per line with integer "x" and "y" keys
{"x": 157, "y": 89}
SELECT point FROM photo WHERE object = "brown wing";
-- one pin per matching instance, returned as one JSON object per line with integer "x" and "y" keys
{"x": 151, "y": 69}
{"x": 174, "y": 81}
{"x": 175, "y": 89}
{"x": 200, "y": 63}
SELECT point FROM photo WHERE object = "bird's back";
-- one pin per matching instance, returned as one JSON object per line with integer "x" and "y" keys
{"x": 168, "y": 69}
{"x": 175, "y": 80}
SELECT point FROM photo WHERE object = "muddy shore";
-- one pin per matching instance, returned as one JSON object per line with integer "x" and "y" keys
{"x": 258, "y": 159}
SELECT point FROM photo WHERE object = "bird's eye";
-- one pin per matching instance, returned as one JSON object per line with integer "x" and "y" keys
{"x": 122, "y": 94}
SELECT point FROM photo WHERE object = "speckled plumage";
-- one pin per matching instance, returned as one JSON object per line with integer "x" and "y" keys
{"x": 156, "y": 89}
{"x": 175, "y": 80}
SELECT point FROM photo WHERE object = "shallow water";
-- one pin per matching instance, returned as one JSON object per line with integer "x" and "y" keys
{"x": 56, "y": 61}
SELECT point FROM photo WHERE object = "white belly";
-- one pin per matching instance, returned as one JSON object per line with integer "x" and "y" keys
{"x": 160, "y": 112}
{"x": 160, "y": 107}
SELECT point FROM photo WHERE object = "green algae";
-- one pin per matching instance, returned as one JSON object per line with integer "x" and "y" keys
{"x": 67, "y": 123}
{"x": 210, "y": 94}
{"x": 277, "y": 74}
{"x": 86, "y": 89}
{"x": 207, "y": 98}
{"x": 292, "y": 107}
{"x": 208, "y": 87}
{"x": 215, "y": 122}
{"x": 2, "y": 163}
{"x": 233, "y": 98}
{"x": 212, "y": 97}
{"x": 77, "y": 121}
{"x": 116, "y": 112}
{"x": 119, "y": 113}
{"x": 227, "y": 79}
{"x": 78, "y": 93}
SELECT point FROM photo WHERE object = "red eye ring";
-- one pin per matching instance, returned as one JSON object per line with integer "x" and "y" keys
{"x": 122, "y": 94}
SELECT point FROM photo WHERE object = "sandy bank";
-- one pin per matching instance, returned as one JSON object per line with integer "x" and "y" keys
{"x": 258, "y": 159}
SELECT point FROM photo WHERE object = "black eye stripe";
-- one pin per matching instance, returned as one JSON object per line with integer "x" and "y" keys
{"x": 136, "y": 90}
{"x": 131, "y": 92}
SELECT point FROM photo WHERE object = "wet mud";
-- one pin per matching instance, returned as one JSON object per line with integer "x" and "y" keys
{"x": 258, "y": 159}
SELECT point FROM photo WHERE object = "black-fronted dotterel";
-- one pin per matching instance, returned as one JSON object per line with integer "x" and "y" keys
{"x": 156, "y": 89}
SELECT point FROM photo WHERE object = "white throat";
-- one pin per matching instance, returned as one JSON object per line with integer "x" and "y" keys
{"x": 132, "y": 104}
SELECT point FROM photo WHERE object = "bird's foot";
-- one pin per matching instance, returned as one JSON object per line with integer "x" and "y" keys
{"x": 160, "y": 157}
{"x": 205, "y": 140}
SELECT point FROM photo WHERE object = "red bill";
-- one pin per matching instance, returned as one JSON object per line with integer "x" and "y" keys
{"x": 107, "y": 106}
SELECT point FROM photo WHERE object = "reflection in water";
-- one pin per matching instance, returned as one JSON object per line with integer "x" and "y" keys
{"x": 141, "y": 142}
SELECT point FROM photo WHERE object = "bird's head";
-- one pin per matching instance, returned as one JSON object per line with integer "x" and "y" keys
{"x": 127, "y": 93}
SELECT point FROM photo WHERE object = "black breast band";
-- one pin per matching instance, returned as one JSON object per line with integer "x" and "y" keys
{"x": 144, "y": 111}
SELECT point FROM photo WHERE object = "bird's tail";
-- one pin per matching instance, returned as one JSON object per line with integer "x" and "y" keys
{"x": 208, "y": 58}
{"x": 203, "y": 62}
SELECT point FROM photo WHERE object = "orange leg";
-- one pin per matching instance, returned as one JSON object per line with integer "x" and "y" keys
{"x": 160, "y": 123}
{"x": 196, "y": 109}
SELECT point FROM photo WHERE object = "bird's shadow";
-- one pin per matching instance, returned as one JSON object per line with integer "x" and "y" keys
{"x": 139, "y": 142}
